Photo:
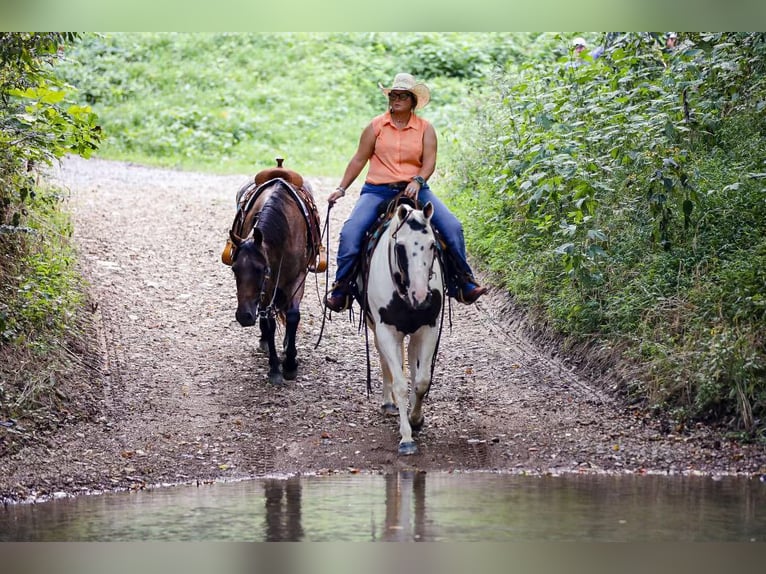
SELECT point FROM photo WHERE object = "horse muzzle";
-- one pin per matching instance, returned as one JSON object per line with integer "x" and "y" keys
{"x": 421, "y": 302}
{"x": 245, "y": 318}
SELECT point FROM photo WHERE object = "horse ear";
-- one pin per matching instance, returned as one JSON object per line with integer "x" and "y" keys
{"x": 428, "y": 210}
{"x": 401, "y": 213}
{"x": 257, "y": 236}
{"x": 235, "y": 239}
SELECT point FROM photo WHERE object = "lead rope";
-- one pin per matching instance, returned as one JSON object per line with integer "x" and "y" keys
{"x": 270, "y": 311}
{"x": 326, "y": 235}
{"x": 363, "y": 319}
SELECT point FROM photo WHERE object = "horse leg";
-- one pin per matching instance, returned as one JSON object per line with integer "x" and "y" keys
{"x": 390, "y": 348}
{"x": 420, "y": 355}
{"x": 290, "y": 364}
{"x": 263, "y": 341}
{"x": 268, "y": 329}
{"x": 388, "y": 408}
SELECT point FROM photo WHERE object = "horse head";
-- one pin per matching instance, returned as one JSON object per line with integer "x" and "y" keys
{"x": 412, "y": 254}
{"x": 251, "y": 270}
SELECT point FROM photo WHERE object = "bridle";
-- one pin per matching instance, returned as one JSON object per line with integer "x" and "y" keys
{"x": 268, "y": 311}
{"x": 396, "y": 264}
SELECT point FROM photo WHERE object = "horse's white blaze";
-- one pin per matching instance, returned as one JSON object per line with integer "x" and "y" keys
{"x": 414, "y": 313}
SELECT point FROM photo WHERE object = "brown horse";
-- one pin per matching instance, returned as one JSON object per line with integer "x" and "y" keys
{"x": 271, "y": 250}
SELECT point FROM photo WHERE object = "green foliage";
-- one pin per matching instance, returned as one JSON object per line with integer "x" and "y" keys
{"x": 41, "y": 298}
{"x": 234, "y": 102}
{"x": 37, "y": 121}
{"x": 40, "y": 291}
{"x": 624, "y": 198}
{"x": 37, "y": 125}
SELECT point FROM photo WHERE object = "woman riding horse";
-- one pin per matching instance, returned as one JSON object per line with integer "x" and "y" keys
{"x": 401, "y": 149}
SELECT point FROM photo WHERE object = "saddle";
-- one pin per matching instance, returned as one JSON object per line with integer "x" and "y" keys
{"x": 301, "y": 193}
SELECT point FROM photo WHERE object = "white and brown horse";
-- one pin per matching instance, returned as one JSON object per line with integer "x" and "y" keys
{"x": 403, "y": 297}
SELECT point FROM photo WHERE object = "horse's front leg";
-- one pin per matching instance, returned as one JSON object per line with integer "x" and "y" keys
{"x": 290, "y": 364}
{"x": 388, "y": 407}
{"x": 268, "y": 329}
{"x": 389, "y": 344}
{"x": 420, "y": 356}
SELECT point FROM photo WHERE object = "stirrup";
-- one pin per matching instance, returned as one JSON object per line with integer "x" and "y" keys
{"x": 478, "y": 290}
{"x": 339, "y": 289}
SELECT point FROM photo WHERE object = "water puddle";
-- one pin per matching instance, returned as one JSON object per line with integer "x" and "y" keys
{"x": 410, "y": 506}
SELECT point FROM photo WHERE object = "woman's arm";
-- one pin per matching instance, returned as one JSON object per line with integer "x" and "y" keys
{"x": 357, "y": 163}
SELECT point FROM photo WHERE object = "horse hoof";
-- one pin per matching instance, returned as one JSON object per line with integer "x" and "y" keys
{"x": 276, "y": 379}
{"x": 290, "y": 375}
{"x": 407, "y": 448}
{"x": 417, "y": 426}
{"x": 389, "y": 409}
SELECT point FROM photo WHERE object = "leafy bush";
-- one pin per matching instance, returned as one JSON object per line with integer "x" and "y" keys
{"x": 623, "y": 197}
{"x": 37, "y": 123}
{"x": 40, "y": 290}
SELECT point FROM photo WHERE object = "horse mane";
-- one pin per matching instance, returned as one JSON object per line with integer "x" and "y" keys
{"x": 272, "y": 221}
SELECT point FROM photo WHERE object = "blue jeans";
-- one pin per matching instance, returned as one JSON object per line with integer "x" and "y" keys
{"x": 365, "y": 213}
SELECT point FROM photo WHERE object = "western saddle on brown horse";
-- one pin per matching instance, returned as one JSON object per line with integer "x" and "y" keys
{"x": 303, "y": 197}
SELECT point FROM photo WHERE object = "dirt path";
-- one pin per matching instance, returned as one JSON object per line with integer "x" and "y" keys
{"x": 182, "y": 390}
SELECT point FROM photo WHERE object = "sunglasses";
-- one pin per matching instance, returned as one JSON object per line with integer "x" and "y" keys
{"x": 398, "y": 96}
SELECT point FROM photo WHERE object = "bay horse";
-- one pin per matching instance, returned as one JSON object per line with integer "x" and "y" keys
{"x": 274, "y": 242}
{"x": 402, "y": 295}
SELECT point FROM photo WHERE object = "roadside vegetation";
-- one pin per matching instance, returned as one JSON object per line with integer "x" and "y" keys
{"x": 41, "y": 292}
{"x": 620, "y": 201}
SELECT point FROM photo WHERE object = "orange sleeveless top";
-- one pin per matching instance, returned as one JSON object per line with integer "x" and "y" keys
{"x": 398, "y": 154}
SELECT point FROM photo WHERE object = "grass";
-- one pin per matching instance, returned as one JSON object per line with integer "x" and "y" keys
{"x": 230, "y": 103}
{"x": 632, "y": 220}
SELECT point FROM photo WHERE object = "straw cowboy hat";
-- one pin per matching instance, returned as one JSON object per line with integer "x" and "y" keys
{"x": 406, "y": 83}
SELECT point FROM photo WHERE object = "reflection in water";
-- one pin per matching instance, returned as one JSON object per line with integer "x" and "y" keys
{"x": 283, "y": 510}
{"x": 411, "y": 506}
{"x": 405, "y": 506}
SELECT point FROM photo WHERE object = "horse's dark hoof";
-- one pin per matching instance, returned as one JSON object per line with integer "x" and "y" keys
{"x": 289, "y": 375}
{"x": 408, "y": 448}
{"x": 417, "y": 426}
{"x": 389, "y": 409}
{"x": 276, "y": 379}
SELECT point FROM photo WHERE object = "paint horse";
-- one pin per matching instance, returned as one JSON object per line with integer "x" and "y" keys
{"x": 274, "y": 241}
{"x": 402, "y": 295}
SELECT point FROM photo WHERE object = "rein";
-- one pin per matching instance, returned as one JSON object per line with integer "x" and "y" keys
{"x": 392, "y": 247}
{"x": 269, "y": 311}
{"x": 325, "y": 229}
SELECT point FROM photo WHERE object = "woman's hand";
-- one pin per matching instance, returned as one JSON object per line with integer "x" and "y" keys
{"x": 412, "y": 190}
{"x": 335, "y": 195}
